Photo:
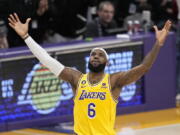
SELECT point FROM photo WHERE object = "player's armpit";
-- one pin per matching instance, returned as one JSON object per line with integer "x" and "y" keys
{"x": 130, "y": 76}
{"x": 71, "y": 75}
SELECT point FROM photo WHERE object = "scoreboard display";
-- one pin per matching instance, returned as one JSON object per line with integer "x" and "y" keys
{"x": 28, "y": 90}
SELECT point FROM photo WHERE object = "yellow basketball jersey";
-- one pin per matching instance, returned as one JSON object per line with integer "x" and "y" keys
{"x": 94, "y": 108}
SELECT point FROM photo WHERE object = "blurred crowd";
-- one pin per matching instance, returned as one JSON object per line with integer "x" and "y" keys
{"x": 55, "y": 21}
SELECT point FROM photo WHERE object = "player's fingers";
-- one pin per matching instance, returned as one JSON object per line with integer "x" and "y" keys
{"x": 11, "y": 25}
{"x": 12, "y": 18}
{"x": 28, "y": 20}
{"x": 16, "y": 17}
{"x": 169, "y": 25}
{"x": 155, "y": 28}
{"x": 166, "y": 25}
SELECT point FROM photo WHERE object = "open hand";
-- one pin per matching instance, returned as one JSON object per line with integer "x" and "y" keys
{"x": 161, "y": 35}
{"x": 20, "y": 28}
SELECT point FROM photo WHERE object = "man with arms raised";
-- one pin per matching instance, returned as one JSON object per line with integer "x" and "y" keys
{"x": 96, "y": 93}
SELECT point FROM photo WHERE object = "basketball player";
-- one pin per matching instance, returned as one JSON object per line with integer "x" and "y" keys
{"x": 96, "y": 93}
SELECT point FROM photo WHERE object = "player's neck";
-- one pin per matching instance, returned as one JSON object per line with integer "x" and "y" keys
{"x": 95, "y": 77}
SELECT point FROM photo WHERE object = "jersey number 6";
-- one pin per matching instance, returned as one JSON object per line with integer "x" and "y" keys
{"x": 91, "y": 111}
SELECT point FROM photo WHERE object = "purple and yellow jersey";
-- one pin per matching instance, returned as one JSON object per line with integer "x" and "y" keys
{"x": 94, "y": 108}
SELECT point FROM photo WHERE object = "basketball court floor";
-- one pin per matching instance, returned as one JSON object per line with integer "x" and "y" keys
{"x": 162, "y": 122}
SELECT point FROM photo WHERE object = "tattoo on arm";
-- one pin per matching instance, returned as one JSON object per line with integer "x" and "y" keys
{"x": 132, "y": 75}
{"x": 135, "y": 73}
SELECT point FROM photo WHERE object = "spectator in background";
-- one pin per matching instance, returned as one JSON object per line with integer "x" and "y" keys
{"x": 36, "y": 9}
{"x": 42, "y": 7}
{"x": 138, "y": 16}
{"x": 124, "y": 8}
{"x": 41, "y": 20}
{"x": 162, "y": 10}
{"x": 25, "y": 8}
{"x": 3, "y": 35}
{"x": 99, "y": 26}
{"x": 68, "y": 20}
{"x": 52, "y": 20}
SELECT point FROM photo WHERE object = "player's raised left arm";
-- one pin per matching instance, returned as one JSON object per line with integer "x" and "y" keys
{"x": 57, "y": 68}
{"x": 124, "y": 78}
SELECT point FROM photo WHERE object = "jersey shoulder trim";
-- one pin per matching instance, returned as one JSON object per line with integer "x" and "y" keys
{"x": 115, "y": 100}
{"x": 75, "y": 95}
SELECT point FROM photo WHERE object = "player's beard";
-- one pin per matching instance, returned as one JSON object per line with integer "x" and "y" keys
{"x": 97, "y": 69}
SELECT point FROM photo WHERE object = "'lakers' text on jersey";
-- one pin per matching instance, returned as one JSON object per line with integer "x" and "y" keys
{"x": 92, "y": 95}
{"x": 94, "y": 109}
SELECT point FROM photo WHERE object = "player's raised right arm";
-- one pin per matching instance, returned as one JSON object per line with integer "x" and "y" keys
{"x": 68, "y": 74}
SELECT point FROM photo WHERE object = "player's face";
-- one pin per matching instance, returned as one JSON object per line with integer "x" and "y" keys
{"x": 97, "y": 61}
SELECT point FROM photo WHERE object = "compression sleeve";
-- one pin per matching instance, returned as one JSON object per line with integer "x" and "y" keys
{"x": 52, "y": 64}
